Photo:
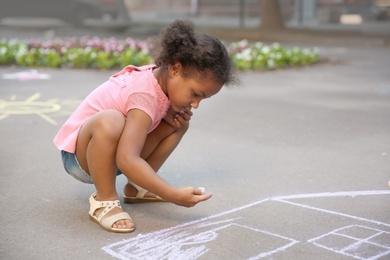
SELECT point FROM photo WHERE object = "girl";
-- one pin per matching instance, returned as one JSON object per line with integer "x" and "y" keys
{"x": 132, "y": 123}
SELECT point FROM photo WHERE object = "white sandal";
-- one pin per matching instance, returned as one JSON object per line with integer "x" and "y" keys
{"x": 106, "y": 223}
{"x": 140, "y": 197}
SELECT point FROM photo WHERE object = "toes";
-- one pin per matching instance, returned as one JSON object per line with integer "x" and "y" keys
{"x": 129, "y": 224}
{"x": 120, "y": 224}
{"x": 123, "y": 224}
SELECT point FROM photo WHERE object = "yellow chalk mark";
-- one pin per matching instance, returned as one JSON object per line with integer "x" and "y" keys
{"x": 33, "y": 97}
{"x": 3, "y": 116}
{"x": 29, "y": 107}
{"x": 48, "y": 119}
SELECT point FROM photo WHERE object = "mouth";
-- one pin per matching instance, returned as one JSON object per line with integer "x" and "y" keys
{"x": 183, "y": 110}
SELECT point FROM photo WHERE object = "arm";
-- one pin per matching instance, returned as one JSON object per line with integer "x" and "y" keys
{"x": 138, "y": 170}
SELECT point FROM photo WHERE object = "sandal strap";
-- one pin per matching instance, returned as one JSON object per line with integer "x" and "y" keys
{"x": 140, "y": 191}
{"x": 108, "y": 205}
{"x": 107, "y": 222}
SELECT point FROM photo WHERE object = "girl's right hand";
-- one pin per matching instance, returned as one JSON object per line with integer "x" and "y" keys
{"x": 177, "y": 120}
{"x": 189, "y": 196}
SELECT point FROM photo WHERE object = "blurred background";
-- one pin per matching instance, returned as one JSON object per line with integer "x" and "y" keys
{"x": 371, "y": 16}
{"x": 292, "y": 129}
{"x": 246, "y": 13}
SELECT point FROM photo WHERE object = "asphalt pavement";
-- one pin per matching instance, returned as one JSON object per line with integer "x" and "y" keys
{"x": 298, "y": 161}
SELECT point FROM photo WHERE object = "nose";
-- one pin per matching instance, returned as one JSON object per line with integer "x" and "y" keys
{"x": 195, "y": 104}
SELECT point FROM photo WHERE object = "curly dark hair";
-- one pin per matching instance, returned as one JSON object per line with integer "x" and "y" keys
{"x": 195, "y": 51}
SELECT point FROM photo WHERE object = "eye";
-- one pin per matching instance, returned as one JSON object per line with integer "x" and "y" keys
{"x": 195, "y": 94}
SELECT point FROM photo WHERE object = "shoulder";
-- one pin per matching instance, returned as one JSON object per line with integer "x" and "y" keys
{"x": 130, "y": 68}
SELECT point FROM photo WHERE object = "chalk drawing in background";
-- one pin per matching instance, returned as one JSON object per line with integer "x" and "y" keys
{"x": 191, "y": 242}
{"x": 26, "y": 75}
{"x": 360, "y": 242}
{"x": 32, "y": 106}
{"x": 204, "y": 237}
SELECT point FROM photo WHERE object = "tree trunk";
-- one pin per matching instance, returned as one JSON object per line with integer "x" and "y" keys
{"x": 271, "y": 16}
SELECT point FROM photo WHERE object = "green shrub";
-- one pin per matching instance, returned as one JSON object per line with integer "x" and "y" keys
{"x": 258, "y": 56}
{"x": 113, "y": 54}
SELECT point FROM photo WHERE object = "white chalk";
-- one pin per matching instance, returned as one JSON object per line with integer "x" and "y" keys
{"x": 202, "y": 190}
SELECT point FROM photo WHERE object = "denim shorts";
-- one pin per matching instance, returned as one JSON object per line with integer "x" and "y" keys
{"x": 72, "y": 166}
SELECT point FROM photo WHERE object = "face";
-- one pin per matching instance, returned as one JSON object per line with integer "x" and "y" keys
{"x": 186, "y": 93}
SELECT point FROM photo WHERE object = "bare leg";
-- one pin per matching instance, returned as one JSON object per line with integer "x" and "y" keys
{"x": 158, "y": 146}
{"x": 96, "y": 150}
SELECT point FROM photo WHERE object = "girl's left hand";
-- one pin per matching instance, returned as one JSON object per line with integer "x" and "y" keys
{"x": 177, "y": 120}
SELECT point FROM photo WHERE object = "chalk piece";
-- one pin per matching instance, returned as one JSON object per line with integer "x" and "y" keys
{"x": 202, "y": 190}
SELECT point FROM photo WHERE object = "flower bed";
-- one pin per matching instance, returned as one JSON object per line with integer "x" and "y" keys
{"x": 259, "y": 56}
{"x": 111, "y": 53}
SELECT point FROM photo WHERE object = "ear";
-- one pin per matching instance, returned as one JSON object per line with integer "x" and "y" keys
{"x": 175, "y": 69}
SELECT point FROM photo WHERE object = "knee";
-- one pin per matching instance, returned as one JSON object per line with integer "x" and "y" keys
{"x": 109, "y": 124}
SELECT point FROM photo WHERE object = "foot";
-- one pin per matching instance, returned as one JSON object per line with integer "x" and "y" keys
{"x": 120, "y": 224}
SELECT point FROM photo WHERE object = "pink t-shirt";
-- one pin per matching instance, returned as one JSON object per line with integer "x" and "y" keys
{"x": 131, "y": 88}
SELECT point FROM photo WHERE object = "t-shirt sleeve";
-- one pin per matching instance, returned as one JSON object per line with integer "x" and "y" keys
{"x": 143, "y": 101}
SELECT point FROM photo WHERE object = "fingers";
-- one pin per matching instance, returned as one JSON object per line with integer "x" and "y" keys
{"x": 200, "y": 194}
{"x": 204, "y": 197}
{"x": 188, "y": 112}
{"x": 178, "y": 121}
{"x": 181, "y": 118}
{"x": 199, "y": 191}
{"x": 189, "y": 196}
{"x": 186, "y": 115}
